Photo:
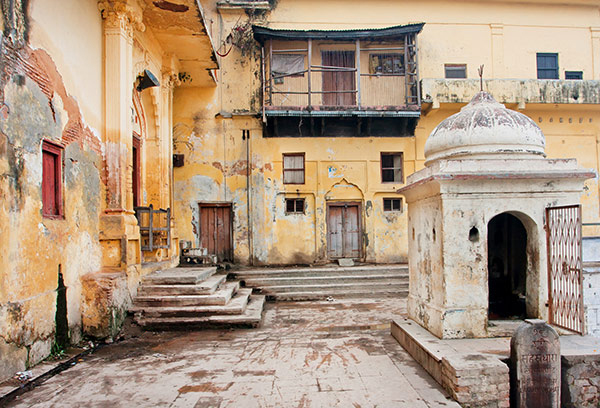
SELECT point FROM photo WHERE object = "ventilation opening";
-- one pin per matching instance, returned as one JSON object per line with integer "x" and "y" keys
{"x": 62, "y": 325}
{"x": 474, "y": 235}
{"x": 507, "y": 267}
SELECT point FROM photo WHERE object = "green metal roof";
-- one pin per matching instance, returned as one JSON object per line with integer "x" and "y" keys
{"x": 262, "y": 34}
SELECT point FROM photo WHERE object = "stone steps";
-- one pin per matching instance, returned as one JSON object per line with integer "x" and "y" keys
{"x": 179, "y": 276}
{"x": 337, "y": 294}
{"x": 322, "y": 282}
{"x": 194, "y": 297}
{"x": 220, "y": 297}
{"x": 325, "y": 280}
{"x": 252, "y": 317}
{"x": 207, "y": 287}
{"x": 268, "y": 272}
{"x": 236, "y": 305}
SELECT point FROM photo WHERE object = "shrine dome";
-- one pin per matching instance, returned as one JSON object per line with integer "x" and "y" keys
{"x": 485, "y": 129}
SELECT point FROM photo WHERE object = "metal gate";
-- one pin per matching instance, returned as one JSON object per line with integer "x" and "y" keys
{"x": 565, "y": 278}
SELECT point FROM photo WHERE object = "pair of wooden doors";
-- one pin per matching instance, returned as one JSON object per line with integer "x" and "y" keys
{"x": 343, "y": 230}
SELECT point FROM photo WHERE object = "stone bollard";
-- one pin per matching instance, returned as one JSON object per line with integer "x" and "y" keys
{"x": 535, "y": 366}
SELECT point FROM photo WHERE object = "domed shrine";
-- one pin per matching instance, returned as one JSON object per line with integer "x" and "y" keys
{"x": 476, "y": 220}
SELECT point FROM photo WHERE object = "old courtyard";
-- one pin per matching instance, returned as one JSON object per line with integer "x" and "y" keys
{"x": 317, "y": 354}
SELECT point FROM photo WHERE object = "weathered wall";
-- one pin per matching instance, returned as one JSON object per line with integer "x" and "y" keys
{"x": 209, "y": 125}
{"x": 591, "y": 300}
{"x": 42, "y": 98}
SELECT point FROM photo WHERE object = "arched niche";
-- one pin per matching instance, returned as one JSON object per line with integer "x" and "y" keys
{"x": 513, "y": 277}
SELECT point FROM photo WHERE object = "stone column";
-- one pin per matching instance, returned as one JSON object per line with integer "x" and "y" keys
{"x": 170, "y": 80}
{"x": 595, "y": 32}
{"x": 119, "y": 24}
{"x": 107, "y": 293}
{"x": 497, "y": 51}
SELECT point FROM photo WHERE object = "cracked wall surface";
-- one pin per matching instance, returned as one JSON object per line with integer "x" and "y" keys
{"x": 36, "y": 105}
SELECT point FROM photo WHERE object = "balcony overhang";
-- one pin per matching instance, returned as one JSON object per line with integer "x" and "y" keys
{"x": 262, "y": 34}
{"x": 180, "y": 29}
{"x": 343, "y": 113}
{"x": 511, "y": 91}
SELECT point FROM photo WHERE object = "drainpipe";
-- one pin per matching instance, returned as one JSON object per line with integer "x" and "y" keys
{"x": 246, "y": 135}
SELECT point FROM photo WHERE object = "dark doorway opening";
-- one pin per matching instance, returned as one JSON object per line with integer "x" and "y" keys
{"x": 507, "y": 267}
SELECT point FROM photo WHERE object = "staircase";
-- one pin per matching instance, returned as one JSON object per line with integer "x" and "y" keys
{"x": 318, "y": 283}
{"x": 194, "y": 297}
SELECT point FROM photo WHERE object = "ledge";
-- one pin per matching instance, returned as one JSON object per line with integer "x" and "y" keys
{"x": 243, "y": 4}
{"x": 517, "y": 91}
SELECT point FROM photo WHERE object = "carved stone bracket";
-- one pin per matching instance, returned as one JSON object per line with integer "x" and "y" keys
{"x": 170, "y": 79}
{"x": 119, "y": 14}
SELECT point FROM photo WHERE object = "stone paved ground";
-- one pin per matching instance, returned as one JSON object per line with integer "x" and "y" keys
{"x": 311, "y": 354}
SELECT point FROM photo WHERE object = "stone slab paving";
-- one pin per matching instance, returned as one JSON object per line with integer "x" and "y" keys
{"x": 317, "y": 354}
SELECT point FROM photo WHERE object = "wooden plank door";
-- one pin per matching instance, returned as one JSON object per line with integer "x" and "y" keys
{"x": 215, "y": 230}
{"x": 343, "y": 231}
{"x": 351, "y": 233}
{"x": 339, "y": 81}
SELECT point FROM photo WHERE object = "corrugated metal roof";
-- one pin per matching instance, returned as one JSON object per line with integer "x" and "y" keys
{"x": 263, "y": 33}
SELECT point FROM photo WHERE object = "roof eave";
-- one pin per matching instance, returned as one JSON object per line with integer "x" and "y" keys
{"x": 261, "y": 34}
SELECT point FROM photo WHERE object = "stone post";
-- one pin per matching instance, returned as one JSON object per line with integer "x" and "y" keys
{"x": 535, "y": 363}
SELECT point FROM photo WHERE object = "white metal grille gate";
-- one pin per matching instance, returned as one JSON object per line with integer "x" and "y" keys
{"x": 565, "y": 284}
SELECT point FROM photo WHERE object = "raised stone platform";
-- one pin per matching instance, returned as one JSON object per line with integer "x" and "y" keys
{"x": 476, "y": 373}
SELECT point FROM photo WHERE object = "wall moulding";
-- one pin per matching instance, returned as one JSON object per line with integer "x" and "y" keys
{"x": 118, "y": 14}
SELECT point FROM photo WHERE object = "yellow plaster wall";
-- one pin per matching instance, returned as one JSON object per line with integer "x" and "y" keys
{"x": 502, "y": 35}
{"x": 34, "y": 249}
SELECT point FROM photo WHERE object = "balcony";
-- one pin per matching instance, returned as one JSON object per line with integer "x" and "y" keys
{"x": 340, "y": 83}
{"x": 511, "y": 91}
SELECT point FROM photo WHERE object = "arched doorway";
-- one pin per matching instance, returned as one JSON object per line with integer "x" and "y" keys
{"x": 507, "y": 267}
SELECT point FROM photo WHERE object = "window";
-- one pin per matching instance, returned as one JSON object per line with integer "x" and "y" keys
{"x": 573, "y": 74}
{"x": 391, "y": 168}
{"x": 51, "y": 180}
{"x": 392, "y": 204}
{"x": 294, "y": 205}
{"x": 293, "y": 168}
{"x": 386, "y": 64}
{"x": 455, "y": 71}
{"x": 547, "y": 65}
{"x": 287, "y": 65}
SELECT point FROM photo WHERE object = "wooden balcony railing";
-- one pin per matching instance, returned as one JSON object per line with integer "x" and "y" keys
{"x": 155, "y": 227}
{"x": 362, "y": 75}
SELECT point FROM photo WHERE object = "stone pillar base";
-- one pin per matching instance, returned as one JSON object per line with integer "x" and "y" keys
{"x": 106, "y": 299}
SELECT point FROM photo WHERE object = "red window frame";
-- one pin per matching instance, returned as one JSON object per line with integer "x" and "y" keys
{"x": 52, "y": 163}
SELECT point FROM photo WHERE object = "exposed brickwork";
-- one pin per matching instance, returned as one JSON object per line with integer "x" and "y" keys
{"x": 580, "y": 381}
{"x": 38, "y": 66}
{"x": 477, "y": 380}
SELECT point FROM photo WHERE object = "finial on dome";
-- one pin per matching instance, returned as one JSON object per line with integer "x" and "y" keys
{"x": 480, "y": 71}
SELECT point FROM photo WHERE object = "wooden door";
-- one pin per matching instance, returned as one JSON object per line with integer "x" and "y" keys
{"x": 215, "y": 230}
{"x": 339, "y": 81}
{"x": 343, "y": 231}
